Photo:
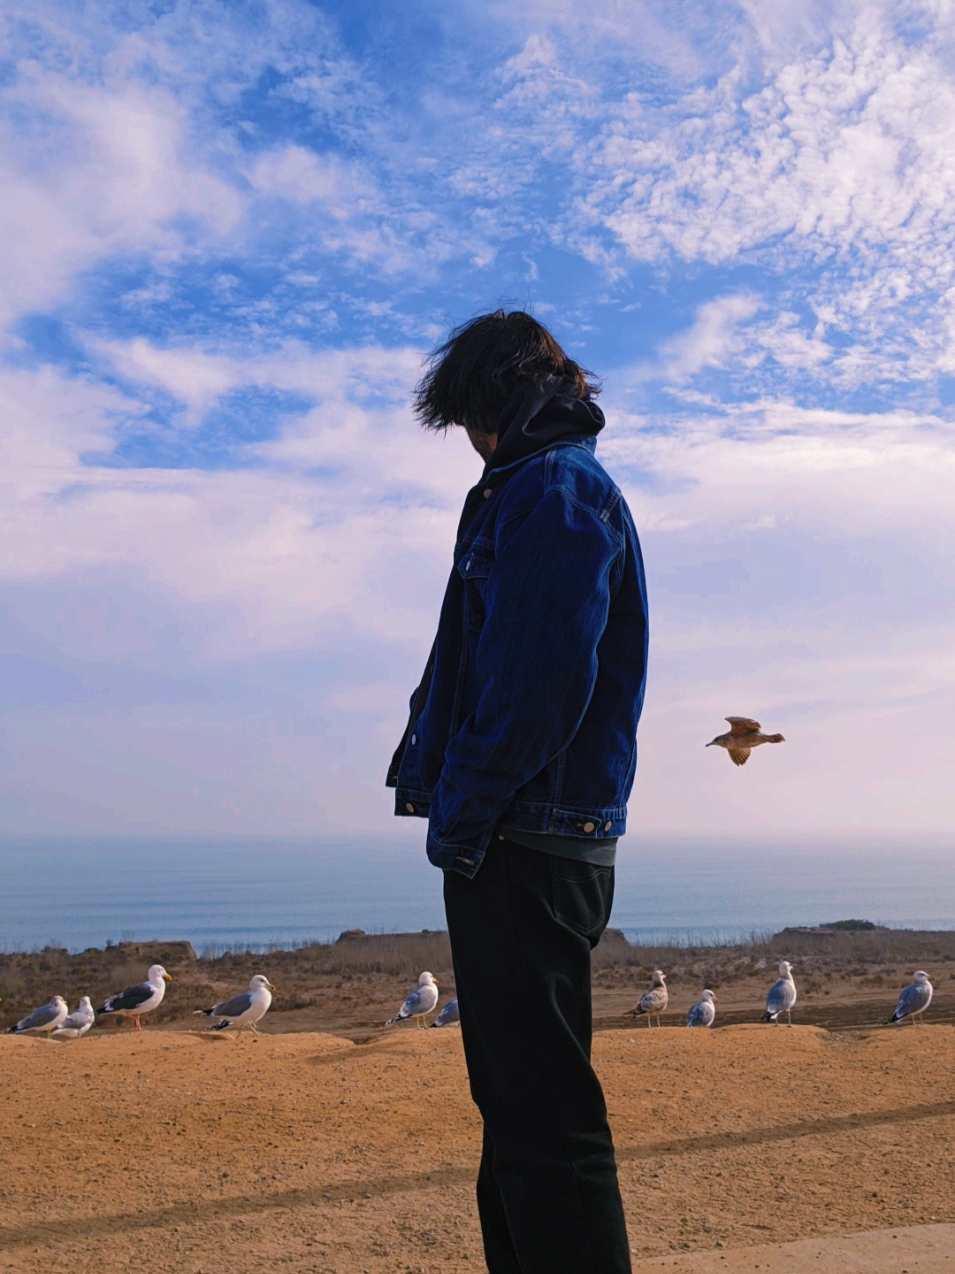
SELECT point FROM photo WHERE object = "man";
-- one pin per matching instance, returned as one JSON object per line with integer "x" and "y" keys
{"x": 520, "y": 750}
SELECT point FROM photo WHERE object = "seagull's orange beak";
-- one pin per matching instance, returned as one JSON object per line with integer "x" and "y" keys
{"x": 167, "y": 977}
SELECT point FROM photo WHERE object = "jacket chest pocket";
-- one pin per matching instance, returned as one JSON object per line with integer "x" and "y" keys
{"x": 474, "y": 568}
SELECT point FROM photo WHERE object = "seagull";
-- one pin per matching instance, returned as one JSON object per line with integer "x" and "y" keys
{"x": 137, "y": 1000}
{"x": 46, "y": 1018}
{"x": 448, "y": 1015}
{"x": 242, "y": 1010}
{"x": 654, "y": 1001}
{"x": 420, "y": 1002}
{"x": 914, "y": 1000}
{"x": 78, "y": 1023}
{"x": 744, "y": 735}
{"x": 782, "y": 995}
{"x": 703, "y": 1013}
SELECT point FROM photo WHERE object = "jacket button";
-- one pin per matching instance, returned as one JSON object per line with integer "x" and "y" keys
{"x": 414, "y": 740}
{"x": 589, "y": 827}
{"x": 488, "y": 493}
{"x": 467, "y": 565}
{"x": 410, "y": 808}
{"x": 607, "y": 826}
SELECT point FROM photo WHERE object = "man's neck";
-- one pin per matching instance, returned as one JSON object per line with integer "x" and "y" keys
{"x": 483, "y": 444}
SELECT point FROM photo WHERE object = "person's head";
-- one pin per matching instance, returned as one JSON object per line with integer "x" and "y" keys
{"x": 483, "y": 364}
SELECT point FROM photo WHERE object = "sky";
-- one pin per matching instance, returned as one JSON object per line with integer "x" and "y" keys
{"x": 230, "y": 233}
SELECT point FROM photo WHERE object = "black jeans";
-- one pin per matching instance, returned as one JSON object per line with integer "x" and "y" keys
{"x": 521, "y": 935}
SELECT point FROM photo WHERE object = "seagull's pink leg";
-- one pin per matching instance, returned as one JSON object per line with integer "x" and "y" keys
{"x": 139, "y": 1025}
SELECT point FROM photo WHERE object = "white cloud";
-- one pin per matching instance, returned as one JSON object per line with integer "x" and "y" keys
{"x": 110, "y": 172}
{"x": 711, "y": 341}
{"x": 842, "y": 160}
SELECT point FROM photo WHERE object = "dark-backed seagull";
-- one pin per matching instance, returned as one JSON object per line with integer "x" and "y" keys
{"x": 137, "y": 1000}
{"x": 654, "y": 1001}
{"x": 78, "y": 1022}
{"x": 242, "y": 1010}
{"x": 914, "y": 1000}
{"x": 420, "y": 1002}
{"x": 448, "y": 1015}
{"x": 782, "y": 995}
{"x": 744, "y": 735}
{"x": 42, "y": 1020}
{"x": 704, "y": 1012}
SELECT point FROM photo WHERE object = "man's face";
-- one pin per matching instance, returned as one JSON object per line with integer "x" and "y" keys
{"x": 482, "y": 443}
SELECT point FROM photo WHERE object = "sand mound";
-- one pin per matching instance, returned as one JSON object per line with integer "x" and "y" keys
{"x": 188, "y": 1152}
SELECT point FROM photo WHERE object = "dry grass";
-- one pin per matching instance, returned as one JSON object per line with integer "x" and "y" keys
{"x": 353, "y": 985}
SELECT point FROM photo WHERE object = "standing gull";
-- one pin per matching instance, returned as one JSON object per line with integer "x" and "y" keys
{"x": 42, "y": 1020}
{"x": 78, "y": 1023}
{"x": 654, "y": 1001}
{"x": 703, "y": 1013}
{"x": 448, "y": 1015}
{"x": 744, "y": 734}
{"x": 914, "y": 1000}
{"x": 242, "y": 1010}
{"x": 782, "y": 995}
{"x": 137, "y": 1000}
{"x": 420, "y": 1002}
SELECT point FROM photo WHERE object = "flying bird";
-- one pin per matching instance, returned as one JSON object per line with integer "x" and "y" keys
{"x": 137, "y": 1000}
{"x": 914, "y": 1000}
{"x": 42, "y": 1020}
{"x": 242, "y": 1010}
{"x": 448, "y": 1015}
{"x": 704, "y": 1012}
{"x": 654, "y": 1001}
{"x": 782, "y": 995}
{"x": 78, "y": 1022}
{"x": 743, "y": 735}
{"x": 420, "y": 1002}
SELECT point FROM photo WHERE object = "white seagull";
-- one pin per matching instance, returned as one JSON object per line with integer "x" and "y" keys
{"x": 914, "y": 1000}
{"x": 78, "y": 1022}
{"x": 743, "y": 735}
{"x": 42, "y": 1020}
{"x": 704, "y": 1012}
{"x": 448, "y": 1015}
{"x": 782, "y": 995}
{"x": 242, "y": 1010}
{"x": 137, "y": 1000}
{"x": 654, "y": 1001}
{"x": 420, "y": 1002}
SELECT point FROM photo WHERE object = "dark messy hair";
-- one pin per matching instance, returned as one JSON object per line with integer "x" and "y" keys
{"x": 484, "y": 363}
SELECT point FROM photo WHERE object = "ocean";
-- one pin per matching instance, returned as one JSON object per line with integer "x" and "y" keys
{"x": 259, "y": 893}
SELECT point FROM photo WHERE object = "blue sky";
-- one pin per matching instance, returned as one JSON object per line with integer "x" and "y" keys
{"x": 231, "y": 231}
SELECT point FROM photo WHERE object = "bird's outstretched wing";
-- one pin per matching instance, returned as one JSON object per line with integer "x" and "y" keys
{"x": 743, "y": 725}
{"x": 739, "y": 756}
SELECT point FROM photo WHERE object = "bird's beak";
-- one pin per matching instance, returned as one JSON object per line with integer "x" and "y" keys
{"x": 709, "y": 745}
{"x": 716, "y": 999}
{"x": 271, "y": 987}
{"x": 167, "y": 977}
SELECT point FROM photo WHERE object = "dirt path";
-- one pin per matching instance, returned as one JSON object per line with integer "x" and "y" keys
{"x": 170, "y": 1152}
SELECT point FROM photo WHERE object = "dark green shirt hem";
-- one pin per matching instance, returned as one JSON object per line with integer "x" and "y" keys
{"x": 582, "y": 848}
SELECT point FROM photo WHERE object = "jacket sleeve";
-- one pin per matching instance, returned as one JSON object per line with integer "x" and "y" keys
{"x": 546, "y": 602}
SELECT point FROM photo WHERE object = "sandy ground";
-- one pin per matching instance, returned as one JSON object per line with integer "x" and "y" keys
{"x": 188, "y": 1152}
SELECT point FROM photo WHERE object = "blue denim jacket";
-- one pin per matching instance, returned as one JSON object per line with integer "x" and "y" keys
{"x": 528, "y": 708}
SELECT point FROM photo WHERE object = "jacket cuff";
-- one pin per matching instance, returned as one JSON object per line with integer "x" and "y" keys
{"x": 462, "y": 856}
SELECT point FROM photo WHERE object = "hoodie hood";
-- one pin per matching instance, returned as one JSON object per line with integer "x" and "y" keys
{"x": 538, "y": 416}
